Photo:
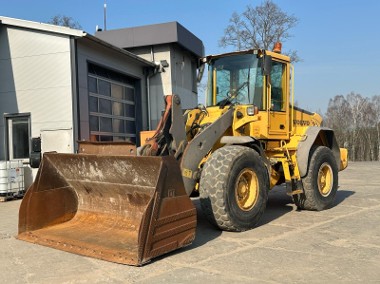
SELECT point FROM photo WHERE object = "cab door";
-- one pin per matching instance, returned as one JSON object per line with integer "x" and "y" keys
{"x": 278, "y": 101}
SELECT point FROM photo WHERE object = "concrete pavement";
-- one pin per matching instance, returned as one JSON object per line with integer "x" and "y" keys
{"x": 341, "y": 244}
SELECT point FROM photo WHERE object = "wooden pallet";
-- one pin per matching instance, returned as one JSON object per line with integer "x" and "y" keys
{"x": 6, "y": 198}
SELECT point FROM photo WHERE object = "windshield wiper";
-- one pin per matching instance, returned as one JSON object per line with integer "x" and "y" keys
{"x": 229, "y": 99}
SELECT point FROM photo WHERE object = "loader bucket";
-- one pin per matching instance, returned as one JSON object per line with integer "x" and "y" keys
{"x": 124, "y": 209}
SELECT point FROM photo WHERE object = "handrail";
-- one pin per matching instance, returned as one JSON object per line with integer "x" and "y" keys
{"x": 292, "y": 106}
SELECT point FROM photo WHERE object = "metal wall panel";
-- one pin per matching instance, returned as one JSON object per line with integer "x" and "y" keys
{"x": 35, "y": 77}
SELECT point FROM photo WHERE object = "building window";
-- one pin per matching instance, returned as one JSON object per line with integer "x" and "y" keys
{"x": 18, "y": 130}
{"x": 112, "y": 105}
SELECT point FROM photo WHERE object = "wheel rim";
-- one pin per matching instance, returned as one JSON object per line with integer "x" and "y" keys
{"x": 246, "y": 189}
{"x": 325, "y": 179}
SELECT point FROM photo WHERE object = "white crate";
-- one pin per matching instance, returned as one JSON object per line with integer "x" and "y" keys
{"x": 11, "y": 177}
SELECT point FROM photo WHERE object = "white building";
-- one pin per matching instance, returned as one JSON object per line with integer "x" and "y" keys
{"x": 65, "y": 85}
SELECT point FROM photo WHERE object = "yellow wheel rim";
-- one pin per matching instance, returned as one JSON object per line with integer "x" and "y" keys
{"x": 246, "y": 189}
{"x": 325, "y": 179}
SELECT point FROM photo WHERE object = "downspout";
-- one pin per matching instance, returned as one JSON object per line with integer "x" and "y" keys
{"x": 148, "y": 97}
{"x": 75, "y": 92}
{"x": 150, "y": 75}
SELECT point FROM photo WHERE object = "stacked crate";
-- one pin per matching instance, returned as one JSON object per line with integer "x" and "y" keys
{"x": 11, "y": 180}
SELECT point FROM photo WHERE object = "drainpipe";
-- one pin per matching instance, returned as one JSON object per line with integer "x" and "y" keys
{"x": 75, "y": 95}
{"x": 148, "y": 98}
{"x": 150, "y": 75}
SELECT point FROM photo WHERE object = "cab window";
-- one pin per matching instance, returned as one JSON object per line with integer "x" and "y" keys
{"x": 277, "y": 86}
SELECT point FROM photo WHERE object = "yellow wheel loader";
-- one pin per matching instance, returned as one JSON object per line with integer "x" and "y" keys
{"x": 108, "y": 203}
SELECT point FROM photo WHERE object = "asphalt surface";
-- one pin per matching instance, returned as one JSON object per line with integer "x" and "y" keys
{"x": 339, "y": 245}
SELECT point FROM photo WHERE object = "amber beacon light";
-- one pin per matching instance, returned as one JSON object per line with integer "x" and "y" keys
{"x": 277, "y": 47}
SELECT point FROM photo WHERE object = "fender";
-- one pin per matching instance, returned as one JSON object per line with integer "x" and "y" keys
{"x": 325, "y": 137}
{"x": 237, "y": 140}
{"x": 254, "y": 144}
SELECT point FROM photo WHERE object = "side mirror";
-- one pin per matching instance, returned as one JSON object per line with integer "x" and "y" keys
{"x": 201, "y": 69}
{"x": 267, "y": 64}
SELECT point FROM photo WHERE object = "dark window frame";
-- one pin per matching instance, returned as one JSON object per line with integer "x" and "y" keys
{"x": 15, "y": 116}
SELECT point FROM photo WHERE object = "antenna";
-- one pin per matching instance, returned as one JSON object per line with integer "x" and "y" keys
{"x": 105, "y": 15}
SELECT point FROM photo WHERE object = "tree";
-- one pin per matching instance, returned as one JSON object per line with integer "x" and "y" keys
{"x": 338, "y": 117}
{"x": 356, "y": 123}
{"x": 358, "y": 108}
{"x": 65, "y": 21}
{"x": 259, "y": 27}
{"x": 376, "y": 108}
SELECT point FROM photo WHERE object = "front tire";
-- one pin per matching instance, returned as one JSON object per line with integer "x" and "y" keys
{"x": 321, "y": 182}
{"x": 234, "y": 188}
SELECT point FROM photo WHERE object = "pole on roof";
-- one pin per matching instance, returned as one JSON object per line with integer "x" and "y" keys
{"x": 105, "y": 15}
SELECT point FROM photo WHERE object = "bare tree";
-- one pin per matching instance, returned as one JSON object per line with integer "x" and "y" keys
{"x": 338, "y": 117}
{"x": 356, "y": 123}
{"x": 369, "y": 137}
{"x": 358, "y": 108}
{"x": 376, "y": 107}
{"x": 65, "y": 21}
{"x": 259, "y": 27}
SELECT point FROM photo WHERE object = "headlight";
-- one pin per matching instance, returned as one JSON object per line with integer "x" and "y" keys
{"x": 252, "y": 110}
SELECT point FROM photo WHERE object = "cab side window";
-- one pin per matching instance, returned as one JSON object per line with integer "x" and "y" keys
{"x": 277, "y": 86}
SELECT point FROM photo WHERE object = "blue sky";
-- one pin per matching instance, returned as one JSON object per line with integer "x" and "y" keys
{"x": 337, "y": 40}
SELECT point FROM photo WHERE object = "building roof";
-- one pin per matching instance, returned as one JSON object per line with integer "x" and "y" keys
{"x": 41, "y": 26}
{"x": 120, "y": 50}
{"x": 69, "y": 32}
{"x": 171, "y": 32}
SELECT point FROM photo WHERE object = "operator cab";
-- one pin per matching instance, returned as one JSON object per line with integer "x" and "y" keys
{"x": 254, "y": 77}
{"x": 236, "y": 80}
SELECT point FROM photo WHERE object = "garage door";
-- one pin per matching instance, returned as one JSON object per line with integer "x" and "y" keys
{"x": 112, "y": 105}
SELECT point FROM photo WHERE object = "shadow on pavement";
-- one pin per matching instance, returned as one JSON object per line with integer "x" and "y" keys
{"x": 205, "y": 231}
{"x": 279, "y": 204}
{"x": 342, "y": 195}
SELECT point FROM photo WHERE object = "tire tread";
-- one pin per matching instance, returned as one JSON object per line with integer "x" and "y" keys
{"x": 213, "y": 180}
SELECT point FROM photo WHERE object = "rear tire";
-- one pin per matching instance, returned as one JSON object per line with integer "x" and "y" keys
{"x": 321, "y": 182}
{"x": 234, "y": 188}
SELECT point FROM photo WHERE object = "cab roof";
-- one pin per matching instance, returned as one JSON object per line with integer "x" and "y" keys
{"x": 259, "y": 52}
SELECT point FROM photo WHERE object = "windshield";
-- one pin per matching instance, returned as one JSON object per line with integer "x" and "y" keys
{"x": 235, "y": 79}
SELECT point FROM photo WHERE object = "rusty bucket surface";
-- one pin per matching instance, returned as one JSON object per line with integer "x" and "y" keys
{"x": 123, "y": 209}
